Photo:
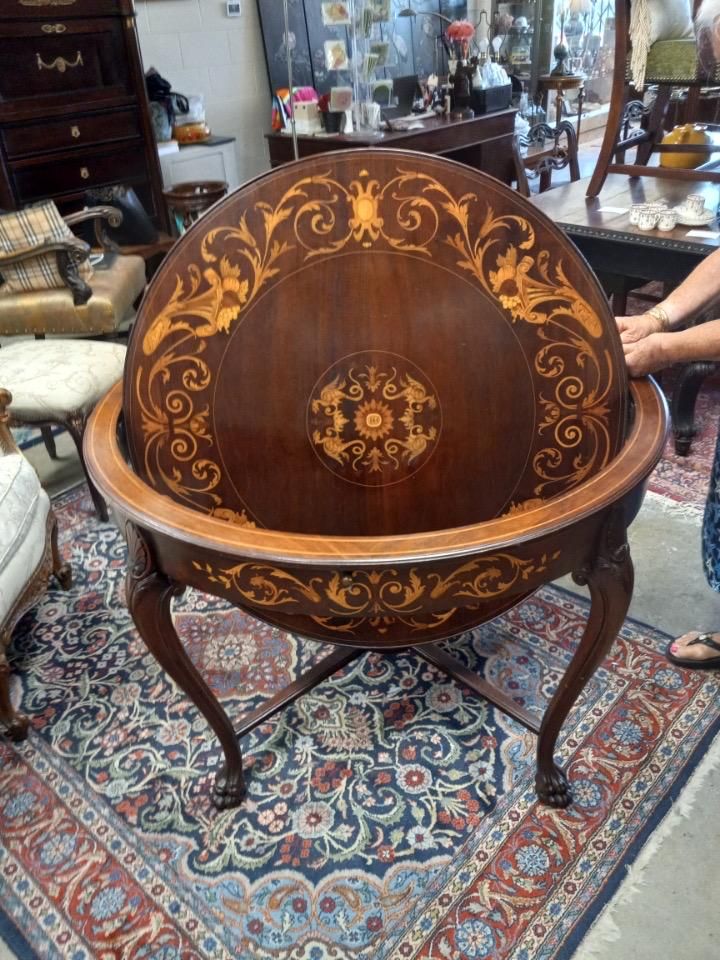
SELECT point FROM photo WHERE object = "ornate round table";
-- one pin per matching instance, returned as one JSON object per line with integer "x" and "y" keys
{"x": 375, "y": 398}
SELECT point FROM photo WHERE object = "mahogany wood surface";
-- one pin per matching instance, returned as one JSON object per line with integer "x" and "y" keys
{"x": 381, "y": 343}
{"x": 376, "y": 398}
{"x": 485, "y": 142}
{"x": 615, "y": 248}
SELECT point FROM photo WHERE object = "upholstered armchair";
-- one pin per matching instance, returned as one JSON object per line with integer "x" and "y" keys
{"x": 50, "y": 288}
{"x": 94, "y": 305}
{"x": 28, "y": 554}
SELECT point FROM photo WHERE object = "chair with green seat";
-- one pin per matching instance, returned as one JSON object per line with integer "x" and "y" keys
{"x": 681, "y": 62}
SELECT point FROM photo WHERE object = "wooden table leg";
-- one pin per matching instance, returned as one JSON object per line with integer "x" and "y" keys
{"x": 610, "y": 579}
{"x": 149, "y": 595}
{"x": 684, "y": 398}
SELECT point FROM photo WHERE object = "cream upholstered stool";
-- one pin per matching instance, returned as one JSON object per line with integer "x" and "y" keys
{"x": 28, "y": 554}
{"x": 60, "y": 381}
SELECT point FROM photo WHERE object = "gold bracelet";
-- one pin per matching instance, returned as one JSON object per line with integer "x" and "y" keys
{"x": 660, "y": 314}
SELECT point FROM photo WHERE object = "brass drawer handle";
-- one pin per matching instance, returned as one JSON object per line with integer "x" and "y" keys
{"x": 75, "y": 132}
{"x": 60, "y": 63}
{"x": 84, "y": 173}
{"x": 53, "y": 28}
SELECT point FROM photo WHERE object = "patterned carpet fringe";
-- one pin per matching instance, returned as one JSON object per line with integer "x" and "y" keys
{"x": 605, "y": 930}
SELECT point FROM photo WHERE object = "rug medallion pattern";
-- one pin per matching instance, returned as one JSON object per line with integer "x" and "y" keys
{"x": 390, "y": 813}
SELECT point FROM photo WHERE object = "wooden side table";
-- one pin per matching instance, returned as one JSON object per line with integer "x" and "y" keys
{"x": 546, "y": 150}
{"x": 560, "y": 83}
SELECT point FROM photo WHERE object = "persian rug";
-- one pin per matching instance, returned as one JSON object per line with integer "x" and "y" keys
{"x": 391, "y": 814}
{"x": 684, "y": 480}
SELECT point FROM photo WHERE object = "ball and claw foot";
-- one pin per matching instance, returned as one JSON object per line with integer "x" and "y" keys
{"x": 553, "y": 789}
{"x": 17, "y": 729}
{"x": 63, "y": 575}
{"x": 228, "y": 791}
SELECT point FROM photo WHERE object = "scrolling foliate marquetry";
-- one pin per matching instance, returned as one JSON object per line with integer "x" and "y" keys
{"x": 410, "y": 213}
{"x": 375, "y": 593}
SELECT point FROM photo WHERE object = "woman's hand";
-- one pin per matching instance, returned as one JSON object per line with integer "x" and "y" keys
{"x": 647, "y": 354}
{"x": 637, "y": 328}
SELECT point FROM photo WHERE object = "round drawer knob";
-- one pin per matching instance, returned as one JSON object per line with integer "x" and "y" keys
{"x": 84, "y": 173}
{"x": 75, "y": 132}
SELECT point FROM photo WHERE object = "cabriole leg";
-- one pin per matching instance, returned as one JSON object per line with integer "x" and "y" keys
{"x": 62, "y": 571}
{"x": 16, "y": 724}
{"x": 75, "y": 426}
{"x": 149, "y": 595}
{"x": 610, "y": 579}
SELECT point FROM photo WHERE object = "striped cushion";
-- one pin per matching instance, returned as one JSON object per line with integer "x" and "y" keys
{"x": 25, "y": 230}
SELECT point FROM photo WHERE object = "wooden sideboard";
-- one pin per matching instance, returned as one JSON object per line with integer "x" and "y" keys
{"x": 73, "y": 106}
{"x": 487, "y": 142}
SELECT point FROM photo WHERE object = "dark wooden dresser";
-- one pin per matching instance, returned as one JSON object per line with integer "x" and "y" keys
{"x": 73, "y": 107}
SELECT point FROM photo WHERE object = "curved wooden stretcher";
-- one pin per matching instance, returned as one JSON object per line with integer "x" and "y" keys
{"x": 375, "y": 398}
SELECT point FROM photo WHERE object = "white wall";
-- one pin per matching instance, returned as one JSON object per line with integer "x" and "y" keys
{"x": 198, "y": 49}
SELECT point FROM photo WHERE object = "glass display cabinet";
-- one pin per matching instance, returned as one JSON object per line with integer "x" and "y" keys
{"x": 523, "y": 33}
{"x": 412, "y": 37}
{"x": 529, "y": 32}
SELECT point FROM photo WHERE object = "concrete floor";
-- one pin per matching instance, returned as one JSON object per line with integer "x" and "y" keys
{"x": 666, "y": 907}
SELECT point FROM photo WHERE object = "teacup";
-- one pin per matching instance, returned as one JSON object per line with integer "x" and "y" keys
{"x": 695, "y": 204}
{"x": 648, "y": 219}
{"x": 635, "y": 210}
{"x": 667, "y": 220}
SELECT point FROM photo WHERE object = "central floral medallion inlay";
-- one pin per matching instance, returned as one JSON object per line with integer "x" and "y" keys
{"x": 374, "y": 418}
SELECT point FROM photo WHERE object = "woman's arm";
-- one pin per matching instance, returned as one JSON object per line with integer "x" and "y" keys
{"x": 694, "y": 294}
{"x": 658, "y": 350}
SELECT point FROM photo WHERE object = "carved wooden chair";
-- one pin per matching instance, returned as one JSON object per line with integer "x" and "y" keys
{"x": 549, "y": 149}
{"x": 95, "y": 307}
{"x": 671, "y": 64}
{"x": 432, "y": 363}
{"x": 28, "y": 554}
{"x": 59, "y": 381}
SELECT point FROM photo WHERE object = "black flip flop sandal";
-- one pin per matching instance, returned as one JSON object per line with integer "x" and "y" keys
{"x": 709, "y": 663}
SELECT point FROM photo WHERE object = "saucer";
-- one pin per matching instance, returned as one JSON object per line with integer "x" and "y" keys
{"x": 688, "y": 219}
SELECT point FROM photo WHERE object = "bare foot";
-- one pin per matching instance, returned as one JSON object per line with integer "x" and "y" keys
{"x": 697, "y": 648}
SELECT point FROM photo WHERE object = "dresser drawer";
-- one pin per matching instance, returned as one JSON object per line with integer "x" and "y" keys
{"x": 61, "y": 9}
{"x": 76, "y": 131}
{"x": 82, "y": 63}
{"x": 39, "y": 180}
